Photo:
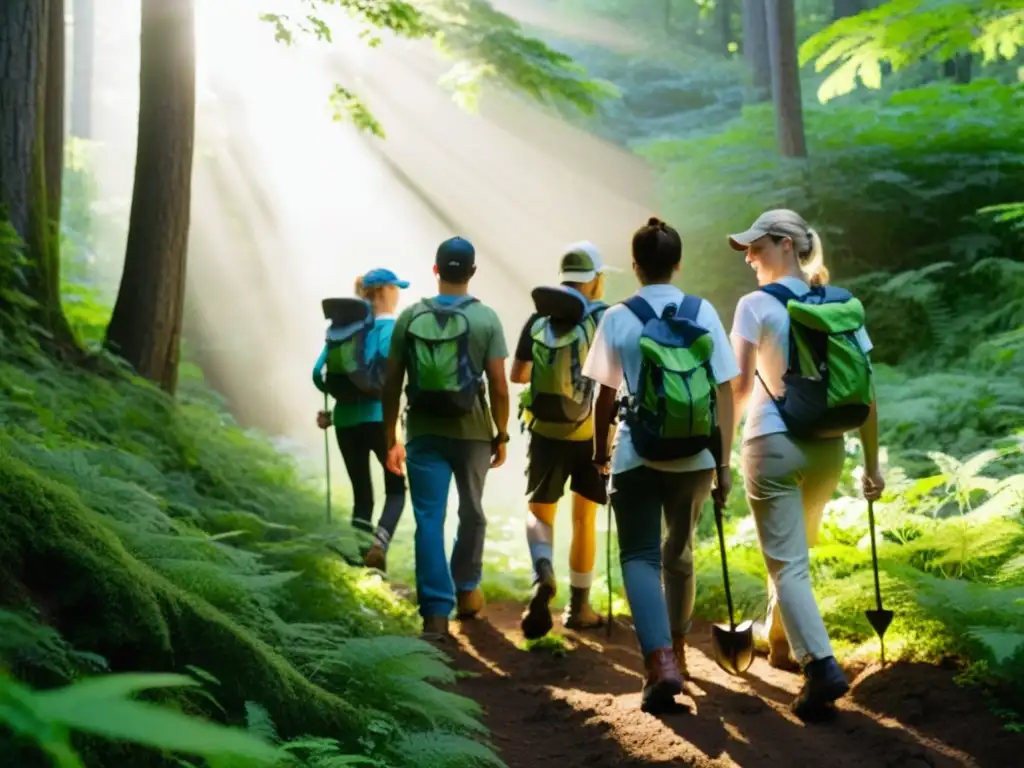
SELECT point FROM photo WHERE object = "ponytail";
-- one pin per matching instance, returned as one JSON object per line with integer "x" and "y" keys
{"x": 812, "y": 260}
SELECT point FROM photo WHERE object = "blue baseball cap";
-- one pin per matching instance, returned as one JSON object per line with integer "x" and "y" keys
{"x": 456, "y": 252}
{"x": 378, "y": 277}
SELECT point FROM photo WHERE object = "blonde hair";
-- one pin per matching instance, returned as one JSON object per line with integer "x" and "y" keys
{"x": 367, "y": 294}
{"x": 810, "y": 253}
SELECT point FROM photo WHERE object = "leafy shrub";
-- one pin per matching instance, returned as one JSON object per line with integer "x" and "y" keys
{"x": 891, "y": 185}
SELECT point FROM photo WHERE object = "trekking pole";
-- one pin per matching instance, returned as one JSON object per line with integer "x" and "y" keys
{"x": 608, "y": 565}
{"x": 327, "y": 461}
{"x": 879, "y": 618}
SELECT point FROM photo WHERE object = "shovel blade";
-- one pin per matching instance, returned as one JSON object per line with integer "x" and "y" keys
{"x": 733, "y": 648}
{"x": 879, "y": 619}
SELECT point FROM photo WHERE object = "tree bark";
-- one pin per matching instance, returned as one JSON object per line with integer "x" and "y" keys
{"x": 145, "y": 328}
{"x": 53, "y": 120}
{"x": 83, "y": 43}
{"x": 843, "y": 8}
{"x": 22, "y": 41}
{"x": 723, "y": 20}
{"x": 755, "y": 47}
{"x": 789, "y": 117}
{"x": 30, "y": 152}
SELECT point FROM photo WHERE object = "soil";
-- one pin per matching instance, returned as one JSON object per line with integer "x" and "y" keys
{"x": 582, "y": 708}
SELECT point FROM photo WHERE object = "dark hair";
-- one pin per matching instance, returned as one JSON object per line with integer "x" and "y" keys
{"x": 657, "y": 250}
{"x": 459, "y": 274}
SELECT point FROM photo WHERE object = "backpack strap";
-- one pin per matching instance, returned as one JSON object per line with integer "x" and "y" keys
{"x": 638, "y": 306}
{"x": 690, "y": 307}
{"x": 780, "y": 292}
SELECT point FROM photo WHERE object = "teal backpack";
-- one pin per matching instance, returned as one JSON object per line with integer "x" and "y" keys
{"x": 442, "y": 380}
{"x": 829, "y": 387}
{"x": 351, "y": 374}
{"x": 562, "y": 335}
{"x": 672, "y": 414}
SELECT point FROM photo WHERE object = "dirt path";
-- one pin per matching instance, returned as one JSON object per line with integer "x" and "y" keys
{"x": 582, "y": 709}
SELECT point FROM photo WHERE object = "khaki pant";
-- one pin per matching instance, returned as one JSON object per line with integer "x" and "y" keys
{"x": 788, "y": 483}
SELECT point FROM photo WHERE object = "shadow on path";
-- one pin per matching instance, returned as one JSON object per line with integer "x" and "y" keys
{"x": 581, "y": 708}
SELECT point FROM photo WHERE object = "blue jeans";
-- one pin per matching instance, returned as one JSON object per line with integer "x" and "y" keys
{"x": 431, "y": 462}
{"x": 640, "y": 498}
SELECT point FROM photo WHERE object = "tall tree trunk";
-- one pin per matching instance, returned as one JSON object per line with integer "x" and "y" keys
{"x": 843, "y": 8}
{"x": 958, "y": 69}
{"x": 29, "y": 152}
{"x": 755, "y": 47}
{"x": 22, "y": 41}
{"x": 145, "y": 328}
{"x": 723, "y": 20}
{"x": 83, "y": 44}
{"x": 53, "y": 122}
{"x": 789, "y": 116}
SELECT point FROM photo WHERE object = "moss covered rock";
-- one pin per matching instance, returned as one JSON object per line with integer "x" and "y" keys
{"x": 57, "y": 555}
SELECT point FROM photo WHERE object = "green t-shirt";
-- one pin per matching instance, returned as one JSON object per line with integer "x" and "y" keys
{"x": 486, "y": 342}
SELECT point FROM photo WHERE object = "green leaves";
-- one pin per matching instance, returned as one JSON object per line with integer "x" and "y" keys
{"x": 103, "y": 706}
{"x": 902, "y": 32}
{"x": 485, "y": 45}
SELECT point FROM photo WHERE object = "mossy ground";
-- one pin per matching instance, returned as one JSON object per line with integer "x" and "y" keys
{"x": 159, "y": 536}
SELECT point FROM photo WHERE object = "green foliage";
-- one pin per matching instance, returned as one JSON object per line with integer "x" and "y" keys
{"x": 890, "y": 186}
{"x": 486, "y": 45}
{"x": 142, "y": 534}
{"x": 902, "y": 32}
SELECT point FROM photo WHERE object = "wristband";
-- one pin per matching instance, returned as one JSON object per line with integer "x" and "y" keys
{"x": 501, "y": 438}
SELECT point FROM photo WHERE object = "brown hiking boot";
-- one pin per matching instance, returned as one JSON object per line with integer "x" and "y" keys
{"x": 663, "y": 681}
{"x": 679, "y": 650}
{"x": 435, "y": 629}
{"x": 376, "y": 558}
{"x": 778, "y": 652}
{"x": 579, "y": 614}
{"x": 536, "y": 619}
{"x": 470, "y": 603}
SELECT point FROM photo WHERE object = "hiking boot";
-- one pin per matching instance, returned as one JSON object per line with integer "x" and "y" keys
{"x": 579, "y": 614}
{"x": 375, "y": 558}
{"x": 536, "y": 619}
{"x": 779, "y": 654}
{"x": 435, "y": 629}
{"x": 663, "y": 681}
{"x": 470, "y": 603}
{"x": 679, "y": 649}
{"x": 825, "y": 683}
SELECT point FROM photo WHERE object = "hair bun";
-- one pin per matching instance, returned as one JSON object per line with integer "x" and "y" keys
{"x": 654, "y": 221}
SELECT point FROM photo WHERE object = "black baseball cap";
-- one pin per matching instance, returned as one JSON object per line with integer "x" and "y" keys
{"x": 456, "y": 253}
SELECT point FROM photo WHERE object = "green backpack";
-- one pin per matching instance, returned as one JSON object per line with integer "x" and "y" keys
{"x": 351, "y": 375}
{"x": 442, "y": 381}
{"x": 562, "y": 335}
{"x": 829, "y": 387}
{"x": 672, "y": 413}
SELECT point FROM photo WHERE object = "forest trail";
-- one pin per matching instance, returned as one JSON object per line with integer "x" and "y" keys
{"x": 582, "y": 709}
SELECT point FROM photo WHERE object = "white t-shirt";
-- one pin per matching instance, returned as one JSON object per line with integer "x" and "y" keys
{"x": 614, "y": 360}
{"x": 762, "y": 320}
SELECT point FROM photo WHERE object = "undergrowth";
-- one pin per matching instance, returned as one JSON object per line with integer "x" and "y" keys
{"x": 142, "y": 534}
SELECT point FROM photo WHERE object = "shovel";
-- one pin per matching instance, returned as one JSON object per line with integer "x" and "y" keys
{"x": 733, "y": 646}
{"x": 879, "y": 618}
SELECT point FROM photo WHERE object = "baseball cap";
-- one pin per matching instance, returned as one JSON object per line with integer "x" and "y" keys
{"x": 780, "y": 222}
{"x": 455, "y": 253}
{"x": 378, "y": 277}
{"x": 581, "y": 263}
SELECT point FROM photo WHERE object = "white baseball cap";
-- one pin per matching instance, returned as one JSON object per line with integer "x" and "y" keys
{"x": 581, "y": 262}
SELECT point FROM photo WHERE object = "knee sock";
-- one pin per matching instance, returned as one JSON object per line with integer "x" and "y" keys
{"x": 583, "y": 550}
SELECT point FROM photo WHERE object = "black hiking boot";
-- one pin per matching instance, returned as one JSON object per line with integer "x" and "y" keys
{"x": 536, "y": 620}
{"x": 579, "y": 614}
{"x": 825, "y": 683}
